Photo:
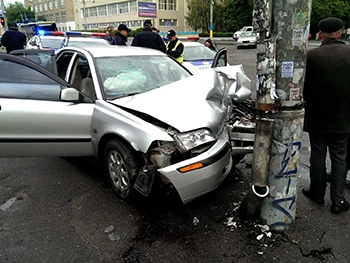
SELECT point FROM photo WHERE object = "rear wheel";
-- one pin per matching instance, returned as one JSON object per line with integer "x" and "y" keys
{"x": 121, "y": 167}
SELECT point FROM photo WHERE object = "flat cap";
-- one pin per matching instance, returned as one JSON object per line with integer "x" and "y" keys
{"x": 123, "y": 27}
{"x": 147, "y": 23}
{"x": 330, "y": 25}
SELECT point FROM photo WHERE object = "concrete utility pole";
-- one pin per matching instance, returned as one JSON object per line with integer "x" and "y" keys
{"x": 283, "y": 26}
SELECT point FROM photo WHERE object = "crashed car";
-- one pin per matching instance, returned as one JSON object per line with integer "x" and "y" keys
{"x": 139, "y": 112}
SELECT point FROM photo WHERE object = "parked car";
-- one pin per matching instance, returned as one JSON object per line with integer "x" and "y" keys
{"x": 235, "y": 35}
{"x": 144, "y": 117}
{"x": 247, "y": 39}
{"x": 42, "y": 42}
{"x": 198, "y": 57}
{"x": 84, "y": 39}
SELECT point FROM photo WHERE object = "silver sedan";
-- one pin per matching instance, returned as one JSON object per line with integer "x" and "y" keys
{"x": 144, "y": 117}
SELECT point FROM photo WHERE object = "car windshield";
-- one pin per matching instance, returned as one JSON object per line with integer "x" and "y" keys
{"x": 129, "y": 75}
{"x": 198, "y": 53}
{"x": 51, "y": 43}
{"x": 247, "y": 34}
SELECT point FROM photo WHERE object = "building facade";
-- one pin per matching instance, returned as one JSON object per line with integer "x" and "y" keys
{"x": 98, "y": 14}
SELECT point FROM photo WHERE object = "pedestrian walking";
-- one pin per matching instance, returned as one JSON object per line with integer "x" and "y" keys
{"x": 13, "y": 39}
{"x": 147, "y": 38}
{"x": 174, "y": 46}
{"x": 209, "y": 44}
{"x": 121, "y": 36}
{"x": 327, "y": 113}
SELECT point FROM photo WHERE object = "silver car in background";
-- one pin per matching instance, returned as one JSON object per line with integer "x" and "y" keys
{"x": 144, "y": 117}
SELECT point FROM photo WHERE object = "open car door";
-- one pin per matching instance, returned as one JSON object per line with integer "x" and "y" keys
{"x": 44, "y": 57}
{"x": 220, "y": 59}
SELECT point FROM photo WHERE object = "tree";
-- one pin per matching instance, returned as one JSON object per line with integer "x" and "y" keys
{"x": 199, "y": 15}
{"x": 16, "y": 12}
{"x": 238, "y": 13}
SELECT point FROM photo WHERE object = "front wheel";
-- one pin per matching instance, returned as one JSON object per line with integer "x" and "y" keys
{"x": 121, "y": 167}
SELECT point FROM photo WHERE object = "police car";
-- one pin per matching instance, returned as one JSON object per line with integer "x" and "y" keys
{"x": 44, "y": 40}
{"x": 197, "y": 57}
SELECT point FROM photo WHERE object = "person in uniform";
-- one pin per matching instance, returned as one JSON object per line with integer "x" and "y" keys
{"x": 174, "y": 46}
{"x": 147, "y": 38}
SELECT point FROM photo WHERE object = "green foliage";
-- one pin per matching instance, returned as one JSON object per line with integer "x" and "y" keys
{"x": 238, "y": 13}
{"x": 199, "y": 15}
{"x": 16, "y": 12}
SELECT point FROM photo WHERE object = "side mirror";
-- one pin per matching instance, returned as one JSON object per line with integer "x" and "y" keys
{"x": 69, "y": 95}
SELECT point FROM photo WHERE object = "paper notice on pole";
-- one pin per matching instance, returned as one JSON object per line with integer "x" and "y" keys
{"x": 297, "y": 38}
{"x": 287, "y": 69}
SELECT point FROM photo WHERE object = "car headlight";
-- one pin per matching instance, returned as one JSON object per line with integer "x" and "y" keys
{"x": 189, "y": 140}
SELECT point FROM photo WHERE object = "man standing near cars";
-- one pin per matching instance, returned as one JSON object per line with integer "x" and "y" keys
{"x": 174, "y": 46}
{"x": 327, "y": 113}
{"x": 146, "y": 38}
{"x": 121, "y": 37}
{"x": 13, "y": 39}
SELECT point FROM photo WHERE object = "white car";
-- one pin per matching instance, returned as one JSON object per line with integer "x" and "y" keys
{"x": 42, "y": 42}
{"x": 247, "y": 39}
{"x": 197, "y": 57}
{"x": 243, "y": 29}
{"x": 144, "y": 117}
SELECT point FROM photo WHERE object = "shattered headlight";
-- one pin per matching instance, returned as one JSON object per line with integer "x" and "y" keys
{"x": 189, "y": 140}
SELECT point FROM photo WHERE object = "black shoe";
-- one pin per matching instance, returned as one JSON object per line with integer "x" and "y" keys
{"x": 339, "y": 207}
{"x": 311, "y": 196}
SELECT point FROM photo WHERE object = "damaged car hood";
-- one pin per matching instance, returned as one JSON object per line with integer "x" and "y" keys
{"x": 191, "y": 103}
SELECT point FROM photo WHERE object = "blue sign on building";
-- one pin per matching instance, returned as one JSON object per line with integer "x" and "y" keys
{"x": 147, "y": 9}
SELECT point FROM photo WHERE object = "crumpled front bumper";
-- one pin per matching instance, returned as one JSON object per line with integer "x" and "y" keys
{"x": 217, "y": 165}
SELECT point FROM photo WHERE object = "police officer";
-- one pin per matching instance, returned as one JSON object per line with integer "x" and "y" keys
{"x": 174, "y": 46}
{"x": 13, "y": 39}
{"x": 147, "y": 38}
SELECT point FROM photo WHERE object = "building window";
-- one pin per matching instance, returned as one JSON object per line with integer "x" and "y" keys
{"x": 63, "y": 17}
{"x": 57, "y": 17}
{"x": 92, "y": 11}
{"x": 40, "y": 8}
{"x": 168, "y": 22}
{"x": 168, "y": 5}
{"x": 55, "y": 4}
{"x": 62, "y": 4}
{"x": 133, "y": 7}
{"x": 123, "y": 8}
{"x": 102, "y": 10}
{"x": 112, "y": 9}
{"x": 50, "y": 5}
{"x": 45, "y": 6}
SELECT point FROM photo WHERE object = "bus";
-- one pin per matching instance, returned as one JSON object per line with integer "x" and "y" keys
{"x": 37, "y": 28}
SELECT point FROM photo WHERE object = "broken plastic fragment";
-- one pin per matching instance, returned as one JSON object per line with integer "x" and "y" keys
{"x": 113, "y": 237}
{"x": 109, "y": 229}
{"x": 259, "y": 237}
{"x": 195, "y": 221}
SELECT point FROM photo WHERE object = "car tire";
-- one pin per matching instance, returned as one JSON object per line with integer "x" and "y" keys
{"x": 121, "y": 167}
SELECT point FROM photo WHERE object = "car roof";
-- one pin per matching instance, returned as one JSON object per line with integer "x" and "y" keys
{"x": 192, "y": 44}
{"x": 86, "y": 39}
{"x": 118, "y": 51}
{"x": 49, "y": 37}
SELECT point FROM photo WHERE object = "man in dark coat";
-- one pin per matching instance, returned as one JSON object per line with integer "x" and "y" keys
{"x": 327, "y": 113}
{"x": 121, "y": 37}
{"x": 13, "y": 39}
{"x": 147, "y": 38}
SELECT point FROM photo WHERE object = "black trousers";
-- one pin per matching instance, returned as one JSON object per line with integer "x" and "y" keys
{"x": 336, "y": 143}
